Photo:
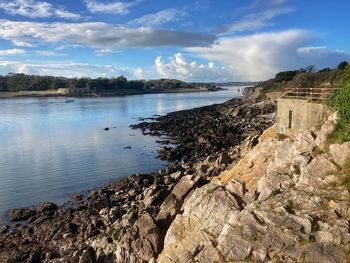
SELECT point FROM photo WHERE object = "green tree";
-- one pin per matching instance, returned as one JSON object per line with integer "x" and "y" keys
{"x": 342, "y": 65}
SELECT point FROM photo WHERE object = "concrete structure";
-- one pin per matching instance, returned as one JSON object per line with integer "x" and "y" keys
{"x": 299, "y": 114}
{"x": 65, "y": 91}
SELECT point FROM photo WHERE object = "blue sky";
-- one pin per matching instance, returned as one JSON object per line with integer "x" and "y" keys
{"x": 200, "y": 40}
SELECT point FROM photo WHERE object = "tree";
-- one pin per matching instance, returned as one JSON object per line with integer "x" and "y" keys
{"x": 342, "y": 65}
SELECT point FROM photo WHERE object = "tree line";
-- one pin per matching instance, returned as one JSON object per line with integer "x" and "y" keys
{"x": 14, "y": 82}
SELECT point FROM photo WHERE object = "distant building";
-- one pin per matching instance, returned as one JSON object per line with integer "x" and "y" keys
{"x": 302, "y": 108}
{"x": 74, "y": 91}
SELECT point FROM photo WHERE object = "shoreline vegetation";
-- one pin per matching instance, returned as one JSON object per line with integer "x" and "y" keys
{"x": 54, "y": 94}
{"x": 21, "y": 85}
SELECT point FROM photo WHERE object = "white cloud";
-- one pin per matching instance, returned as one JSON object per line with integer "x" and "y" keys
{"x": 36, "y": 9}
{"x": 12, "y": 52}
{"x": 258, "y": 20}
{"x": 103, "y": 52}
{"x": 261, "y": 56}
{"x": 139, "y": 73}
{"x": 159, "y": 18}
{"x": 49, "y": 53}
{"x": 97, "y": 35}
{"x": 178, "y": 68}
{"x": 117, "y": 7}
{"x": 64, "y": 68}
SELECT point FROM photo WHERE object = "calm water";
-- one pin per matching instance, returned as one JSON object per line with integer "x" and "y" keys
{"x": 50, "y": 149}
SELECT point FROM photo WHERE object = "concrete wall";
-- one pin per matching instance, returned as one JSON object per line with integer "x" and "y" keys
{"x": 305, "y": 114}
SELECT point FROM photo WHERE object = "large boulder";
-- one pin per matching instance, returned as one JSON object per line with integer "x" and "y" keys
{"x": 317, "y": 169}
{"x": 191, "y": 235}
{"x": 327, "y": 129}
{"x": 283, "y": 154}
{"x": 271, "y": 183}
{"x": 304, "y": 143}
{"x": 340, "y": 153}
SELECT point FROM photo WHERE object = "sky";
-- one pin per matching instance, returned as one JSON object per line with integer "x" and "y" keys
{"x": 199, "y": 40}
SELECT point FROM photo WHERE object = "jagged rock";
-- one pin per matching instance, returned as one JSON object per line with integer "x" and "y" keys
{"x": 182, "y": 188}
{"x": 319, "y": 167}
{"x": 340, "y": 153}
{"x": 304, "y": 143}
{"x": 283, "y": 154}
{"x": 43, "y": 207}
{"x": 20, "y": 214}
{"x": 232, "y": 245}
{"x": 323, "y": 253}
{"x": 88, "y": 256}
{"x": 223, "y": 158}
{"x": 326, "y": 129}
{"x": 177, "y": 175}
{"x": 271, "y": 183}
{"x": 236, "y": 187}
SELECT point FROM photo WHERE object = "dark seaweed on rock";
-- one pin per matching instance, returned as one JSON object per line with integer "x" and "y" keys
{"x": 206, "y": 130}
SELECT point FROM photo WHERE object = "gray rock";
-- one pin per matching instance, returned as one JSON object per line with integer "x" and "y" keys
{"x": 232, "y": 245}
{"x": 340, "y": 153}
{"x": 323, "y": 253}
{"x": 271, "y": 183}
{"x": 283, "y": 154}
{"x": 304, "y": 143}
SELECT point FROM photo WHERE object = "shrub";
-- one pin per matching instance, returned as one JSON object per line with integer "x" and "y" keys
{"x": 341, "y": 102}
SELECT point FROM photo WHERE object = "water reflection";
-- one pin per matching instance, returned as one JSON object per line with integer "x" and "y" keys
{"x": 51, "y": 149}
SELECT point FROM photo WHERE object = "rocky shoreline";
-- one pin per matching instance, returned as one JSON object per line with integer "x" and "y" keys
{"x": 127, "y": 220}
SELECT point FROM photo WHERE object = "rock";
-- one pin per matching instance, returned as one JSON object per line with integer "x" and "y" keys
{"x": 304, "y": 143}
{"x": 78, "y": 197}
{"x": 223, "y": 158}
{"x": 88, "y": 256}
{"x": 232, "y": 245}
{"x": 323, "y": 237}
{"x": 106, "y": 129}
{"x": 319, "y": 167}
{"x": 340, "y": 153}
{"x": 322, "y": 135}
{"x": 323, "y": 253}
{"x": 3, "y": 229}
{"x": 236, "y": 187}
{"x": 20, "y": 214}
{"x": 183, "y": 187}
{"x": 45, "y": 207}
{"x": 271, "y": 183}
{"x": 177, "y": 175}
{"x": 148, "y": 245}
{"x": 283, "y": 154}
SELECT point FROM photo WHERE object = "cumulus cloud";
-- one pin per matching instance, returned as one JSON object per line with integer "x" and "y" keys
{"x": 117, "y": 7}
{"x": 64, "y": 68}
{"x": 261, "y": 56}
{"x": 12, "y": 52}
{"x": 159, "y": 18}
{"x": 179, "y": 68}
{"x": 36, "y": 9}
{"x": 98, "y": 35}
